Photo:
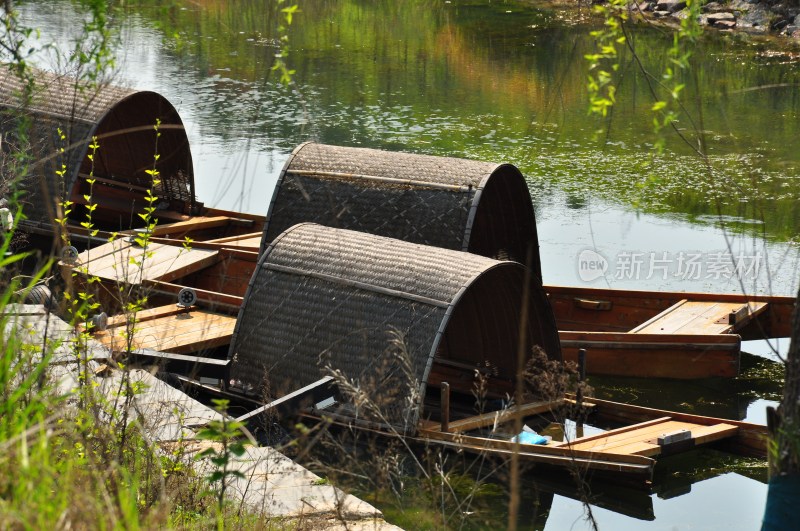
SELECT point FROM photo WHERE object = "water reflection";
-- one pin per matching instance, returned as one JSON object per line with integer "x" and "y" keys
{"x": 493, "y": 81}
{"x": 725, "y": 501}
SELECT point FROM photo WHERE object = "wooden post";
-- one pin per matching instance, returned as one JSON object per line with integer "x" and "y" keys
{"x": 784, "y": 464}
{"x": 581, "y": 375}
{"x": 445, "y": 407}
{"x": 579, "y": 394}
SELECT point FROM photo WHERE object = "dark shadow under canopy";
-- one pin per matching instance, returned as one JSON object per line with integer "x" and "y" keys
{"x": 323, "y": 296}
{"x": 123, "y": 121}
{"x": 479, "y": 207}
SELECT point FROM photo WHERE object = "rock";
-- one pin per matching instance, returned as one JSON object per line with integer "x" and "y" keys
{"x": 670, "y": 6}
{"x": 757, "y": 17}
{"x": 790, "y": 29}
{"x": 725, "y": 24}
{"x": 713, "y": 7}
{"x": 645, "y": 6}
{"x": 780, "y": 24}
{"x": 715, "y": 18}
{"x": 661, "y": 14}
{"x": 739, "y": 5}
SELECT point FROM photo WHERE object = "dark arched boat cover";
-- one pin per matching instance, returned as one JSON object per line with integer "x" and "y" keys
{"x": 479, "y": 207}
{"x": 123, "y": 121}
{"x": 324, "y": 299}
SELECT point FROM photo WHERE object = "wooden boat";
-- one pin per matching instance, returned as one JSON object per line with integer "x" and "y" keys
{"x": 623, "y": 447}
{"x": 322, "y": 300}
{"x": 326, "y": 296}
{"x": 625, "y": 333}
{"x": 664, "y": 334}
{"x": 483, "y": 208}
{"x": 190, "y": 339}
{"x": 644, "y": 334}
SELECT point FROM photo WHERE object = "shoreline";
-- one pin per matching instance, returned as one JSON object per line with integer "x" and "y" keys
{"x": 736, "y": 16}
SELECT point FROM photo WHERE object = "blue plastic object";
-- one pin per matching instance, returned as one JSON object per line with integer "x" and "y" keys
{"x": 528, "y": 437}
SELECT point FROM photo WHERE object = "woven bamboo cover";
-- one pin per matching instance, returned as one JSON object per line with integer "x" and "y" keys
{"x": 324, "y": 298}
{"x": 416, "y": 198}
{"x": 122, "y": 119}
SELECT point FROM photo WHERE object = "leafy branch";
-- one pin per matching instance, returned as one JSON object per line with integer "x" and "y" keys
{"x": 280, "y": 64}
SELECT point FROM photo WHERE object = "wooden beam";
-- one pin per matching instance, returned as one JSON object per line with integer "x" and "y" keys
{"x": 211, "y": 297}
{"x": 169, "y": 356}
{"x": 196, "y": 223}
{"x": 502, "y": 416}
{"x": 145, "y": 315}
{"x": 291, "y": 404}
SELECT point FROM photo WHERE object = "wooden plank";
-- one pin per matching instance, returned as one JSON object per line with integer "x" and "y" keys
{"x": 251, "y": 240}
{"x": 546, "y": 450}
{"x": 644, "y": 440}
{"x": 255, "y": 220}
{"x": 94, "y": 254}
{"x": 290, "y": 404}
{"x": 701, "y": 317}
{"x": 697, "y": 317}
{"x": 716, "y": 432}
{"x": 181, "y": 333}
{"x": 647, "y": 434}
{"x": 502, "y": 416}
{"x": 168, "y": 356}
{"x": 176, "y": 327}
{"x": 120, "y": 266}
{"x": 145, "y": 315}
{"x": 163, "y": 262}
{"x": 180, "y": 228}
{"x": 247, "y": 243}
{"x": 749, "y": 440}
{"x": 654, "y": 355}
{"x": 642, "y": 448}
{"x": 184, "y": 264}
{"x": 746, "y": 313}
{"x": 123, "y": 184}
{"x": 233, "y": 302}
{"x": 659, "y": 316}
{"x": 609, "y": 433}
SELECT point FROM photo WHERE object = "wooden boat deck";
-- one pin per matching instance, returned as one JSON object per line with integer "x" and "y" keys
{"x": 170, "y": 329}
{"x": 124, "y": 261}
{"x": 652, "y": 438}
{"x": 701, "y": 317}
{"x": 664, "y": 334}
{"x": 625, "y": 452}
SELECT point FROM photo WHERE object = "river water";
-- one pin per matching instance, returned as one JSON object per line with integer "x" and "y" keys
{"x": 505, "y": 81}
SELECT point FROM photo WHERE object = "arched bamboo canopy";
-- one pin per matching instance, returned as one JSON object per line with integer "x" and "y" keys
{"x": 479, "y": 207}
{"x": 323, "y": 296}
{"x": 123, "y": 121}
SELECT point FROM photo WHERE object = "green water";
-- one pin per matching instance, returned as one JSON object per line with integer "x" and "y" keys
{"x": 506, "y": 82}
{"x": 502, "y": 81}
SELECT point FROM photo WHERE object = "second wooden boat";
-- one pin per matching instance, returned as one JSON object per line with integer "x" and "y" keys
{"x": 664, "y": 334}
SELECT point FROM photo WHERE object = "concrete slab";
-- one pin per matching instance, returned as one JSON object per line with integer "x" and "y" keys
{"x": 273, "y": 484}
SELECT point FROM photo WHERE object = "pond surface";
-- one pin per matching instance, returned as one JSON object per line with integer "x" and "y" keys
{"x": 506, "y": 82}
